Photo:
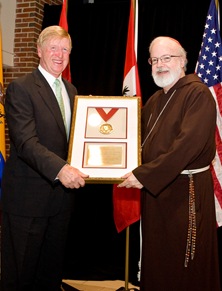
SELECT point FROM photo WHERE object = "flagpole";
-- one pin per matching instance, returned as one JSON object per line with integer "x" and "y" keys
{"x": 127, "y": 264}
{"x": 217, "y": 7}
{"x": 131, "y": 88}
{"x": 216, "y": 3}
{"x": 127, "y": 260}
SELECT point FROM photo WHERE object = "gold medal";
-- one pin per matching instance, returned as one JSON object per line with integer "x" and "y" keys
{"x": 106, "y": 128}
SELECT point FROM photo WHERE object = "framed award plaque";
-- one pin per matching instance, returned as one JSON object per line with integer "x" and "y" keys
{"x": 105, "y": 137}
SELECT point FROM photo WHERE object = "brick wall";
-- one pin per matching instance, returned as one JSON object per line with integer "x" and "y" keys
{"x": 28, "y": 24}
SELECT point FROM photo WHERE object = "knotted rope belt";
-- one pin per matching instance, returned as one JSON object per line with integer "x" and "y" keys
{"x": 192, "y": 228}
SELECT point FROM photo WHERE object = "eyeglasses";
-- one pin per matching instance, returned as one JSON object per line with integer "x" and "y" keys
{"x": 164, "y": 59}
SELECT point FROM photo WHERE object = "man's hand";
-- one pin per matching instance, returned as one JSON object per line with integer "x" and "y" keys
{"x": 71, "y": 177}
{"x": 130, "y": 182}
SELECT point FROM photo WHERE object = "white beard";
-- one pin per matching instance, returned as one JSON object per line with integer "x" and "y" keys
{"x": 166, "y": 80}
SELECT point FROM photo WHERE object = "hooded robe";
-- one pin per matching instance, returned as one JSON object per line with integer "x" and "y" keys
{"x": 178, "y": 132}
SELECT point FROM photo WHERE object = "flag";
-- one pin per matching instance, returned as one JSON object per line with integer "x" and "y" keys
{"x": 131, "y": 84}
{"x": 209, "y": 69}
{"x": 126, "y": 202}
{"x": 2, "y": 164}
{"x": 2, "y": 116}
{"x": 64, "y": 23}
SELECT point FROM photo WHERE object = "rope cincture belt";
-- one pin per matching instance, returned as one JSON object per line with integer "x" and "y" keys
{"x": 191, "y": 236}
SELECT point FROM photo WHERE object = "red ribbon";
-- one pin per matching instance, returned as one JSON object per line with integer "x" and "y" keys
{"x": 106, "y": 116}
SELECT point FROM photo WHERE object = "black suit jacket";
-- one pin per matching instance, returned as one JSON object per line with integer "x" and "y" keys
{"x": 38, "y": 148}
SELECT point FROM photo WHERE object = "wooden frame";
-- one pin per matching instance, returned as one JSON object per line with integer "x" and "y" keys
{"x": 105, "y": 137}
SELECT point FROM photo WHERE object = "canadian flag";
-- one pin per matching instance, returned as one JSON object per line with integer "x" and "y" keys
{"x": 63, "y": 23}
{"x": 126, "y": 202}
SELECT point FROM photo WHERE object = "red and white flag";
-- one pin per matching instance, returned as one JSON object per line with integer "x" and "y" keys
{"x": 209, "y": 70}
{"x": 63, "y": 23}
{"x": 131, "y": 84}
{"x": 126, "y": 202}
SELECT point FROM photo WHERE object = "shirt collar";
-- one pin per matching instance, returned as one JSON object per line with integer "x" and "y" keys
{"x": 50, "y": 78}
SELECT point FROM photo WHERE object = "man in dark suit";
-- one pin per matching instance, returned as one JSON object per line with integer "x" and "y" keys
{"x": 37, "y": 185}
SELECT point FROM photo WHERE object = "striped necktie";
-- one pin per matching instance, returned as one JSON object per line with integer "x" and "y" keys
{"x": 58, "y": 91}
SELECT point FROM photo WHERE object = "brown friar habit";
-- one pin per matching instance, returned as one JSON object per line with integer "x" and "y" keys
{"x": 183, "y": 138}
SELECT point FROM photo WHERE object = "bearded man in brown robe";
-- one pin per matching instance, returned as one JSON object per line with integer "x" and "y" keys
{"x": 179, "y": 237}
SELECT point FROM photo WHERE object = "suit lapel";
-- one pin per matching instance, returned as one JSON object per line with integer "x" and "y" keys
{"x": 70, "y": 93}
{"x": 48, "y": 97}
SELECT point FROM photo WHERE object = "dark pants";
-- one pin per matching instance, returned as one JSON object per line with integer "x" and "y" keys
{"x": 33, "y": 252}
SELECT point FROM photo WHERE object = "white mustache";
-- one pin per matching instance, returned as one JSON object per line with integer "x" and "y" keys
{"x": 160, "y": 70}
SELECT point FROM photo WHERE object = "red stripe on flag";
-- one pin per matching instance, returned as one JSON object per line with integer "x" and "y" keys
{"x": 218, "y": 197}
{"x": 63, "y": 16}
{"x": 218, "y": 144}
{"x": 64, "y": 23}
{"x": 217, "y": 93}
{"x": 130, "y": 60}
{"x": 217, "y": 186}
{"x": 126, "y": 207}
{"x": 216, "y": 168}
{"x": 131, "y": 84}
{"x": 126, "y": 202}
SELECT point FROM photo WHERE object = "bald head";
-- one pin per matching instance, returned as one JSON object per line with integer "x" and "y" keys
{"x": 165, "y": 45}
{"x": 165, "y": 40}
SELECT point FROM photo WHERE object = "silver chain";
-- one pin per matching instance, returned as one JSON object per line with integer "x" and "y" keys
{"x": 158, "y": 117}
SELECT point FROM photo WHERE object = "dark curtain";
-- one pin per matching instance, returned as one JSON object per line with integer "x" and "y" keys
{"x": 99, "y": 32}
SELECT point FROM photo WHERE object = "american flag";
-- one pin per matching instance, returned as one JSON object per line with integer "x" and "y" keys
{"x": 209, "y": 69}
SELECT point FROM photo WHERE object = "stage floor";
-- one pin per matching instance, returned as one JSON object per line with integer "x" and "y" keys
{"x": 99, "y": 285}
